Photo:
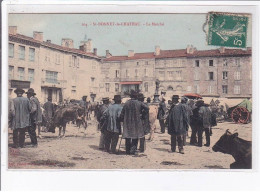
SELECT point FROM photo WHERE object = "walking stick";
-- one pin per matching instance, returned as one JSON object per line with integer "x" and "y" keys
{"x": 120, "y": 144}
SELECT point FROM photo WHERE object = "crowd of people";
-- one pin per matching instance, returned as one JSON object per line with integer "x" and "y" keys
{"x": 134, "y": 120}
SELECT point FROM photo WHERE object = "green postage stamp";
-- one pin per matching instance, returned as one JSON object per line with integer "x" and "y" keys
{"x": 226, "y": 29}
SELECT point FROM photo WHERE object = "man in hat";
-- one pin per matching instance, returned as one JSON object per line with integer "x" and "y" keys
{"x": 21, "y": 118}
{"x": 205, "y": 116}
{"x": 161, "y": 114}
{"x": 184, "y": 101}
{"x": 195, "y": 123}
{"x": 132, "y": 123}
{"x": 145, "y": 122}
{"x": 113, "y": 127}
{"x": 102, "y": 121}
{"x": 35, "y": 116}
{"x": 177, "y": 124}
{"x": 48, "y": 112}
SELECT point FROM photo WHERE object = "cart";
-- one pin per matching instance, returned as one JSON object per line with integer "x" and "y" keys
{"x": 241, "y": 113}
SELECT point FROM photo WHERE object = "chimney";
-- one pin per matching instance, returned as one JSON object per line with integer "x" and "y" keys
{"x": 12, "y": 30}
{"x": 86, "y": 46}
{"x": 38, "y": 36}
{"x": 222, "y": 49}
{"x": 48, "y": 41}
{"x": 131, "y": 53}
{"x": 67, "y": 42}
{"x": 157, "y": 50}
{"x": 108, "y": 54}
{"x": 95, "y": 51}
{"x": 190, "y": 49}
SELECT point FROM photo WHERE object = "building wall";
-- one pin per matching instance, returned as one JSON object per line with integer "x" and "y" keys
{"x": 27, "y": 64}
{"x": 172, "y": 74}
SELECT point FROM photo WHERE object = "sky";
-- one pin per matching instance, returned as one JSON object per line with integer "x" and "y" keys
{"x": 175, "y": 32}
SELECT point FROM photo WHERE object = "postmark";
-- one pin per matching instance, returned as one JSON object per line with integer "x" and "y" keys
{"x": 227, "y": 29}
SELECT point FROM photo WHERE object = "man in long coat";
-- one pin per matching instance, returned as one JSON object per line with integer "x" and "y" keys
{"x": 102, "y": 122}
{"x": 161, "y": 115}
{"x": 178, "y": 121}
{"x": 48, "y": 112}
{"x": 205, "y": 115}
{"x": 132, "y": 123}
{"x": 21, "y": 118}
{"x": 113, "y": 126}
{"x": 145, "y": 121}
{"x": 35, "y": 116}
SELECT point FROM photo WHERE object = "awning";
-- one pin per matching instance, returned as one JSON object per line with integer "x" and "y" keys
{"x": 130, "y": 83}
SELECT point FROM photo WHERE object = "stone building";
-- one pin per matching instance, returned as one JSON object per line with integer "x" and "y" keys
{"x": 61, "y": 72}
{"x": 64, "y": 72}
{"x": 211, "y": 73}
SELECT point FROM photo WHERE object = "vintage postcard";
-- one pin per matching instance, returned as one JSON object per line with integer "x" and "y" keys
{"x": 113, "y": 90}
{"x": 130, "y": 91}
{"x": 128, "y": 86}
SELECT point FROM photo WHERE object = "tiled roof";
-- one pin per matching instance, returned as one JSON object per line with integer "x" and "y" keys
{"x": 54, "y": 46}
{"x": 182, "y": 53}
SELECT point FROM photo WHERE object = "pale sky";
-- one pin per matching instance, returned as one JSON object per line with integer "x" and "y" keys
{"x": 178, "y": 31}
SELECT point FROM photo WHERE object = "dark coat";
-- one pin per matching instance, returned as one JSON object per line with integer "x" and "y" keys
{"x": 178, "y": 120}
{"x": 112, "y": 115}
{"x": 22, "y": 109}
{"x": 36, "y": 111}
{"x": 145, "y": 120}
{"x": 131, "y": 116}
{"x": 102, "y": 120}
{"x": 48, "y": 110}
{"x": 161, "y": 110}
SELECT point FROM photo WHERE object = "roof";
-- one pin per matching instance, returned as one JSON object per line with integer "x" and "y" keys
{"x": 182, "y": 53}
{"x": 54, "y": 46}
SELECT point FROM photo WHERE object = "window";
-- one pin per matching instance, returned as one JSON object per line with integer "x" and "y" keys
{"x": 161, "y": 74}
{"x": 51, "y": 77}
{"x": 31, "y": 75}
{"x": 237, "y": 89}
{"x": 20, "y": 73}
{"x": 75, "y": 61}
{"x": 197, "y": 76}
{"x": 197, "y": 89}
{"x": 197, "y": 63}
{"x": 225, "y": 64}
{"x": 117, "y": 73}
{"x": 116, "y": 87}
{"x": 107, "y": 87}
{"x": 238, "y": 62}
{"x": 31, "y": 54}
{"x": 11, "y": 72}
{"x": 211, "y": 76}
{"x": 170, "y": 75}
{"x": 137, "y": 63}
{"x": 126, "y": 73}
{"x": 57, "y": 56}
{"x": 136, "y": 73}
{"x": 93, "y": 81}
{"x": 146, "y": 86}
{"x": 237, "y": 75}
{"x": 11, "y": 50}
{"x": 146, "y": 63}
{"x": 21, "y": 52}
{"x": 224, "y": 89}
{"x": 211, "y": 63}
{"x": 224, "y": 75}
{"x": 178, "y": 75}
{"x": 145, "y": 72}
{"x": 170, "y": 88}
{"x": 210, "y": 89}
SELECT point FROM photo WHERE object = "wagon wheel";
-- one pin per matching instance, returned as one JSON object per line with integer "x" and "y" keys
{"x": 240, "y": 115}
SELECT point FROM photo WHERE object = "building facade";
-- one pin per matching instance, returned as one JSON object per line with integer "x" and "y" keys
{"x": 60, "y": 72}
{"x": 63, "y": 72}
